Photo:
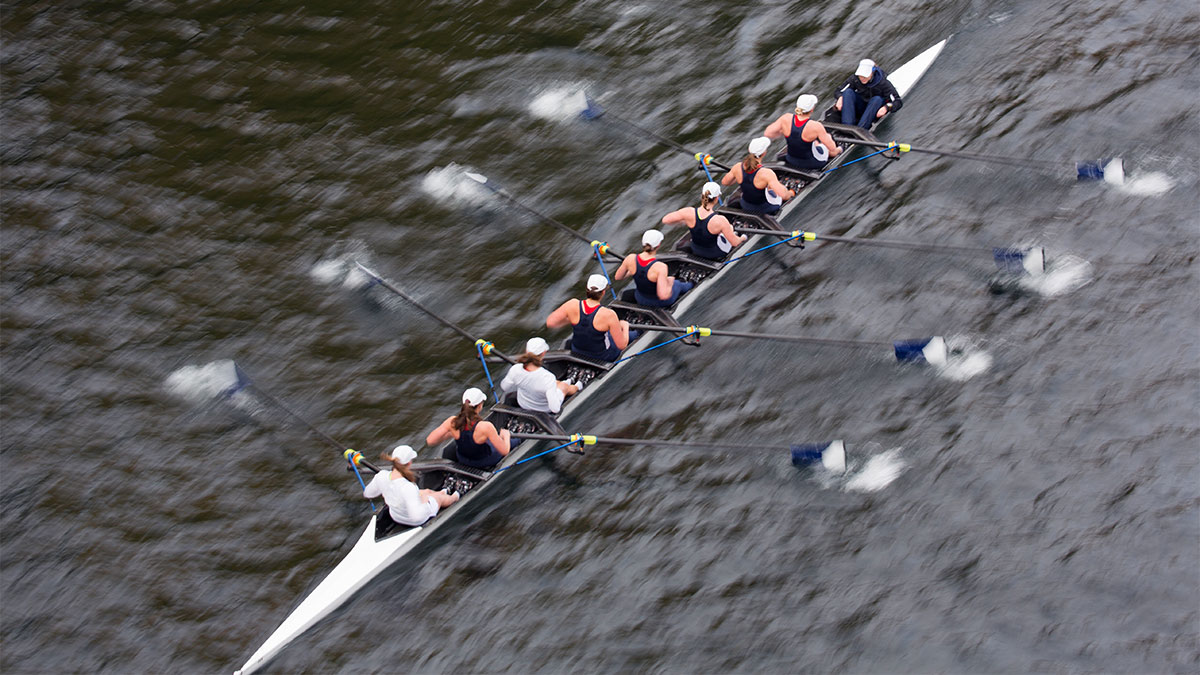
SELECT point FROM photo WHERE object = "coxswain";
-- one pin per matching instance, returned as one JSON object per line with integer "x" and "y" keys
{"x": 809, "y": 145}
{"x": 407, "y": 504}
{"x": 712, "y": 234}
{"x": 477, "y": 442}
{"x": 761, "y": 190}
{"x": 599, "y": 333}
{"x": 537, "y": 388}
{"x": 867, "y": 96}
{"x": 652, "y": 285}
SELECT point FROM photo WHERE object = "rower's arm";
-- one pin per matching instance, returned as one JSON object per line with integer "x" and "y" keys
{"x": 776, "y": 129}
{"x": 559, "y": 317}
{"x": 440, "y": 434}
{"x": 626, "y": 267}
{"x": 828, "y": 142}
{"x": 373, "y": 489}
{"x": 497, "y": 439}
{"x": 727, "y": 230}
{"x": 665, "y": 283}
{"x": 618, "y": 328}
{"x": 679, "y": 217}
{"x": 777, "y": 187}
{"x": 729, "y": 178}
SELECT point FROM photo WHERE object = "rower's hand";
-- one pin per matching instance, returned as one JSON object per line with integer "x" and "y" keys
{"x": 791, "y": 193}
{"x": 837, "y": 150}
{"x": 882, "y": 111}
{"x": 838, "y": 105}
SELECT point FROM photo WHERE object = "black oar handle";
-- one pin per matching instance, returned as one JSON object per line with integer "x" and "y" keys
{"x": 445, "y": 322}
{"x": 666, "y": 141}
{"x": 320, "y": 434}
{"x": 779, "y": 337}
{"x": 648, "y": 441}
{"x": 529, "y": 209}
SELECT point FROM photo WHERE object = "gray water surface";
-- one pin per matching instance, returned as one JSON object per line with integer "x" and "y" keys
{"x": 176, "y": 178}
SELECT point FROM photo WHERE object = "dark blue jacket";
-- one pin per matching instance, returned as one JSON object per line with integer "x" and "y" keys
{"x": 878, "y": 86}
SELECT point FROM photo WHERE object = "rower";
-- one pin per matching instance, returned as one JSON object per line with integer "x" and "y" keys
{"x": 761, "y": 190}
{"x": 809, "y": 145}
{"x": 712, "y": 234}
{"x": 599, "y": 333}
{"x": 407, "y": 504}
{"x": 477, "y": 442}
{"x": 537, "y": 388}
{"x": 652, "y": 286}
{"x": 867, "y": 95}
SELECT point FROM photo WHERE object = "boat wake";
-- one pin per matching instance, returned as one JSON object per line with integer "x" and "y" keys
{"x": 964, "y": 359}
{"x": 450, "y": 184}
{"x": 209, "y": 382}
{"x": 559, "y": 105}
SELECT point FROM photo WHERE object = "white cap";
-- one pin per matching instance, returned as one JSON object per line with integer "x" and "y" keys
{"x": 806, "y": 102}
{"x": 536, "y": 346}
{"x": 759, "y": 146}
{"x": 712, "y": 189}
{"x": 474, "y": 396}
{"x": 652, "y": 238}
{"x": 864, "y": 68}
{"x": 597, "y": 282}
{"x": 403, "y": 454}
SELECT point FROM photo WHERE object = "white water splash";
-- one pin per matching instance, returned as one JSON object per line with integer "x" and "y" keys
{"x": 340, "y": 269}
{"x": 964, "y": 360}
{"x": 450, "y": 185}
{"x": 1149, "y": 185}
{"x": 1063, "y": 274}
{"x": 203, "y": 383}
{"x": 878, "y": 472}
{"x": 558, "y": 105}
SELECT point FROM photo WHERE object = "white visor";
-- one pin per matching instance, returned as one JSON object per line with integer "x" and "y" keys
{"x": 403, "y": 454}
{"x": 536, "y": 346}
{"x": 652, "y": 238}
{"x": 865, "y": 67}
{"x": 473, "y": 396}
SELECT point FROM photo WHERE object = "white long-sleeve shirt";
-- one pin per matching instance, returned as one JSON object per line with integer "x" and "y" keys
{"x": 402, "y": 497}
{"x": 536, "y": 389}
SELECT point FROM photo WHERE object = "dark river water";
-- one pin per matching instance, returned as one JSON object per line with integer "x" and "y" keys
{"x": 185, "y": 184}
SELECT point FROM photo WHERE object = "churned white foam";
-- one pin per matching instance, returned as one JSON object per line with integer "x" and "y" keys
{"x": 964, "y": 359}
{"x": 560, "y": 104}
{"x": 1062, "y": 275}
{"x": 1150, "y": 185}
{"x": 877, "y": 473}
{"x": 355, "y": 278}
{"x": 451, "y": 185}
{"x": 328, "y": 271}
{"x": 203, "y": 383}
{"x": 964, "y": 366}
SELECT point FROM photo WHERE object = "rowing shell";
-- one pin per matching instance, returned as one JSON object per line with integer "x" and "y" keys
{"x": 383, "y": 542}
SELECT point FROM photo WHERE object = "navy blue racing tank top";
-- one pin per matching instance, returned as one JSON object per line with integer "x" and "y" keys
{"x": 751, "y": 194}
{"x": 468, "y": 448}
{"x": 804, "y": 154}
{"x": 704, "y": 243}
{"x": 586, "y": 340}
{"x": 641, "y": 278}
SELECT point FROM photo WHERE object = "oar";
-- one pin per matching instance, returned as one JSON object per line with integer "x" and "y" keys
{"x": 931, "y": 349}
{"x": 484, "y": 181}
{"x": 1111, "y": 170}
{"x": 594, "y": 111}
{"x": 488, "y": 347}
{"x": 1007, "y": 259}
{"x": 832, "y": 454}
{"x": 243, "y": 382}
